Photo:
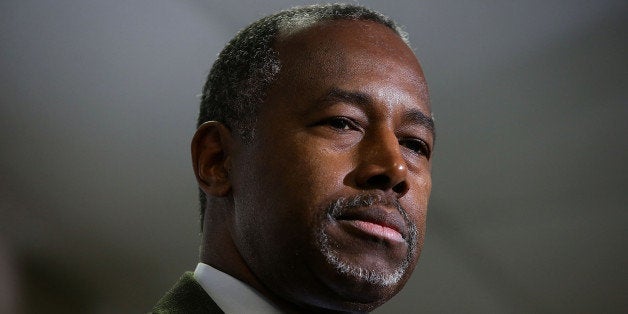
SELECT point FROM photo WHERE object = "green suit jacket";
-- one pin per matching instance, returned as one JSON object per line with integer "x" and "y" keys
{"x": 187, "y": 296}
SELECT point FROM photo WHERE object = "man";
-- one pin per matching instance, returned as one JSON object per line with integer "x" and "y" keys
{"x": 313, "y": 159}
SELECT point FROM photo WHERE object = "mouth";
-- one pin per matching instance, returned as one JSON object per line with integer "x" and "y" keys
{"x": 374, "y": 223}
{"x": 368, "y": 238}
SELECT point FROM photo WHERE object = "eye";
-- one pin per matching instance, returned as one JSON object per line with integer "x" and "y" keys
{"x": 417, "y": 146}
{"x": 341, "y": 124}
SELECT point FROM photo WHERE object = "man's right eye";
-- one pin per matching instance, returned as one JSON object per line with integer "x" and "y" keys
{"x": 341, "y": 123}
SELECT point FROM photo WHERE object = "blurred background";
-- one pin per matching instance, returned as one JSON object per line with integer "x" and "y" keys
{"x": 98, "y": 202}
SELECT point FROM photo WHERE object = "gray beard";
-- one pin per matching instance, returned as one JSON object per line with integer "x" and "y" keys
{"x": 372, "y": 276}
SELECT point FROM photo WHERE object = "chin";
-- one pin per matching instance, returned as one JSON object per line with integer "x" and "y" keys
{"x": 350, "y": 296}
{"x": 362, "y": 286}
{"x": 362, "y": 292}
{"x": 339, "y": 283}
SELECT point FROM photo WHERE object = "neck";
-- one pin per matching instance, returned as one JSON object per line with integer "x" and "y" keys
{"x": 220, "y": 251}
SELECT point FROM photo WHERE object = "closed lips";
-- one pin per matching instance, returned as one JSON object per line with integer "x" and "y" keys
{"x": 376, "y": 222}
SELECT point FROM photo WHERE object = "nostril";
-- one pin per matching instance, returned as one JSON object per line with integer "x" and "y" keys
{"x": 378, "y": 181}
{"x": 400, "y": 188}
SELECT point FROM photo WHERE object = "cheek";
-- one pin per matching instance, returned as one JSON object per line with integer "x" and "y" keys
{"x": 420, "y": 188}
{"x": 310, "y": 169}
{"x": 280, "y": 196}
{"x": 424, "y": 189}
{"x": 287, "y": 181}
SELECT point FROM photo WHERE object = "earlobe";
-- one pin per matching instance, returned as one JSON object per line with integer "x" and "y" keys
{"x": 211, "y": 148}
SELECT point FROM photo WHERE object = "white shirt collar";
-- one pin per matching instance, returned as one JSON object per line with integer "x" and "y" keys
{"x": 230, "y": 294}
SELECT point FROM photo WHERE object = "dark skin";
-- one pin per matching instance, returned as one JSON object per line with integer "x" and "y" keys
{"x": 348, "y": 118}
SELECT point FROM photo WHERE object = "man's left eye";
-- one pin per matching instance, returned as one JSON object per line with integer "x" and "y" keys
{"x": 417, "y": 146}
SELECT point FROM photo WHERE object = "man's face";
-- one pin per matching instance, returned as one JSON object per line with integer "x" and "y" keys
{"x": 330, "y": 198}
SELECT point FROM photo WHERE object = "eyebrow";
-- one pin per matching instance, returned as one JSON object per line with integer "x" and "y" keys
{"x": 418, "y": 117}
{"x": 365, "y": 100}
{"x": 336, "y": 94}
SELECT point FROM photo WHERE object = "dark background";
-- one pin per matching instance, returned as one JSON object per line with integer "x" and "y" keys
{"x": 98, "y": 202}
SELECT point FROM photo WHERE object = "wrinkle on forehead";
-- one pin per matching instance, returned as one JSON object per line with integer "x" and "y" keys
{"x": 341, "y": 49}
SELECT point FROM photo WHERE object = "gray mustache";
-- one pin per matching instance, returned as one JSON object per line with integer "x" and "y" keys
{"x": 362, "y": 200}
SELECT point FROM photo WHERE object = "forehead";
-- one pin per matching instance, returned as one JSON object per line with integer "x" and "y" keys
{"x": 347, "y": 50}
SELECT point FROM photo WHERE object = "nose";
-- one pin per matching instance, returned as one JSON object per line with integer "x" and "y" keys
{"x": 381, "y": 165}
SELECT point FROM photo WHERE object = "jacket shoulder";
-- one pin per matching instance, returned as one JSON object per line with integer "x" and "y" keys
{"x": 186, "y": 296}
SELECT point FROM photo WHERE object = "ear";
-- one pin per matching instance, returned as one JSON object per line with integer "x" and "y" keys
{"x": 211, "y": 147}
